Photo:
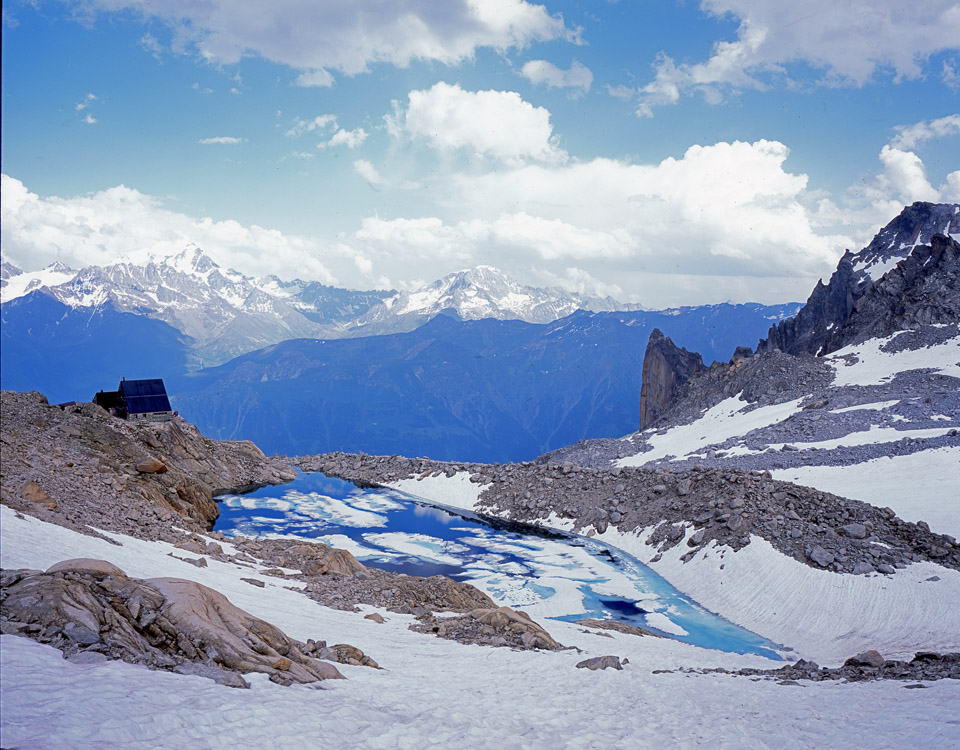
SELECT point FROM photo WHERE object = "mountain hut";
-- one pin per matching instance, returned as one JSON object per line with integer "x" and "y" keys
{"x": 138, "y": 400}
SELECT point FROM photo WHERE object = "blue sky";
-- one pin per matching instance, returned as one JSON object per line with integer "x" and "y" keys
{"x": 662, "y": 152}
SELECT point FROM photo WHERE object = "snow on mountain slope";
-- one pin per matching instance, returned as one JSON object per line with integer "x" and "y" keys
{"x": 15, "y": 283}
{"x": 876, "y": 361}
{"x": 476, "y": 293}
{"x": 923, "y": 486}
{"x": 224, "y": 312}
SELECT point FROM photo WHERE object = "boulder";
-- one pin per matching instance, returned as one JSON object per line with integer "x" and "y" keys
{"x": 163, "y": 623}
{"x": 820, "y": 556}
{"x": 88, "y": 565}
{"x": 600, "y": 662}
{"x": 35, "y": 494}
{"x": 870, "y": 658}
{"x": 854, "y": 530}
{"x": 151, "y": 465}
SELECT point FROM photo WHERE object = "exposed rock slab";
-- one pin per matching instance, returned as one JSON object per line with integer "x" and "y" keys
{"x": 666, "y": 367}
{"x": 86, "y": 607}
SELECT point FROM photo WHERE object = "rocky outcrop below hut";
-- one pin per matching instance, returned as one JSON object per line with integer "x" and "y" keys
{"x": 80, "y": 467}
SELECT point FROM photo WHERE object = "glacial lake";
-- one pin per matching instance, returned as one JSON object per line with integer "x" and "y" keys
{"x": 548, "y": 574}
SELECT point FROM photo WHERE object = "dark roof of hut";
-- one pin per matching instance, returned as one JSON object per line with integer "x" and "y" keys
{"x": 145, "y": 396}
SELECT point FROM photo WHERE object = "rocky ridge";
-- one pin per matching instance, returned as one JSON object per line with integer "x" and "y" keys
{"x": 666, "y": 367}
{"x": 830, "y": 305}
{"x": 921, "y": 290}
{"x": 694, "y": 506}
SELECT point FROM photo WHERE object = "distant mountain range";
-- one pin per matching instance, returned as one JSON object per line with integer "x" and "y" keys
{"x": 224, "y": 313}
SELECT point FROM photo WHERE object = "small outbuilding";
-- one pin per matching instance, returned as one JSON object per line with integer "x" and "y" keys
{"x": 138, "y": 400}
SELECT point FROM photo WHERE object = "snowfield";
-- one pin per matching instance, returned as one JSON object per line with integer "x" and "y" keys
{"x": 431, "y": 692}
{"x": 866, "y": 364}
{"x": 719, "y": 423}
{"x": 892, "y": 482}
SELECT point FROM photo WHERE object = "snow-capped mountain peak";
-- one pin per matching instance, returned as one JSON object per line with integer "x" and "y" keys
{"x": 486, "y": 292}
{"x": 16, "y": 283}
{"x": 915, "y": 225}
{"x": 223, "y": 311}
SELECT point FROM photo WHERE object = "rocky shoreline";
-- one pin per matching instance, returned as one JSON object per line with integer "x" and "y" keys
{"x": 869, "y": 665}
{"x": 816, "y": 528}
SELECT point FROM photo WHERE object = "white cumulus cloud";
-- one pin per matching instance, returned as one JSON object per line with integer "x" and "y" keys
{"x": 320, "y": 122}
{"x": 721, "y": 221}
{"x": 913, "y": 136}
{"x": 578, "y": 77}
{"x": 99, "y": 228}
{"x": 318, "y": 37}
{"x": 368, "y": 172}
{"x": 497, "y": 124}
{"x": 848, "y": 43}
{"x": 222, "y": 140}
{"x": 346, "y": 138}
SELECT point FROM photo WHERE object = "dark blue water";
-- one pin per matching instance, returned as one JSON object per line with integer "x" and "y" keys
{"x": 549, "y": 574}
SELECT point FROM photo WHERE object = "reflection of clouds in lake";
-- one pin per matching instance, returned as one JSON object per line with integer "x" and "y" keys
{"x": 509, "y": 590}
{"x": 355, "y": 548}
{"x": 376, "y": 502}
{"x": 421, "y": 546}
{"x": 336, "y": 511}
{"x": 437, "y": 514}
{"x": 248, "y": 502}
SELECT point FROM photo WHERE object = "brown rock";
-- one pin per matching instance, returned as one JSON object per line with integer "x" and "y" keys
{"x": 620, "y": 627}
{"x": 151, "y": 465}
{"x": 164, "y": 623}
{"x": 101, "y": 567}
{"x": 328, "y": 560}
{"x": 34, "y": 493}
